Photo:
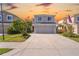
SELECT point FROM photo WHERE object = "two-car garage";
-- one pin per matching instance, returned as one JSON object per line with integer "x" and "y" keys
{"x": 45, "y": 28}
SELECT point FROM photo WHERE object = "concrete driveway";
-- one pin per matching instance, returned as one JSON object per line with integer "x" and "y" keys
{"x": 46, "y": 45}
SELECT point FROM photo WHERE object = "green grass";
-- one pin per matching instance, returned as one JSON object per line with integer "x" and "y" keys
{"x": 4, "y": 50}
{"x": 13, "y": 38}
{"x": 75, "y": 39}
{"x": 73, "y": 36}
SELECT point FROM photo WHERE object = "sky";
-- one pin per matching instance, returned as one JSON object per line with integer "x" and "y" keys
{"x": 28, "y": 10}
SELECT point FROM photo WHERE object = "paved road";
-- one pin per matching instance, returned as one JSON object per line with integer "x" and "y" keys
{"x": 46, "y": 45}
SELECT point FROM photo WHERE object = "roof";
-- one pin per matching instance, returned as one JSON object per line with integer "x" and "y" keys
{"x": 76, "y": 14}
{"x": 44, "y": 15}
{"x": 10, "y": 13}
{"x": 4, "y": 20}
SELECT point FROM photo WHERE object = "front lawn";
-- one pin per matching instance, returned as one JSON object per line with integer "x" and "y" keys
{"x": 4, "y": 50}
{"x": 75, "y": 39}
{"x": 13, "y": 38}
{"x": 72, "y": 36}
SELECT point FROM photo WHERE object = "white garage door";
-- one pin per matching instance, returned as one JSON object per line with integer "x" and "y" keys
{"x": 45, "y": 29}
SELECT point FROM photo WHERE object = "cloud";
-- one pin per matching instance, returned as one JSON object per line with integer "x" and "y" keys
{"x": 44, "y": 4}
{"x": 11, "y": 6}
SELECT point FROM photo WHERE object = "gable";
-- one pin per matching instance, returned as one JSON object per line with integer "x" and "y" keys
{"x": 8, "y": 17}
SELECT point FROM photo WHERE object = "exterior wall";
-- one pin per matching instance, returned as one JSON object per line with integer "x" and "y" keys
{"x": 44, "y": 18}
{"x": 75, "y": 28}
{"x": 76, "y": 24}
{"x": 6, "y": 25}
{"x": 76, "y": 19}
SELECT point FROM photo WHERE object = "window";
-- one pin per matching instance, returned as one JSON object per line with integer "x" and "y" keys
{"x": 78, "y": 19}
{"x": 49, "y": 18}
{"x": 39, "y": 18}
{"x": 0, "y": 17}
{"x": 9, "y": 17}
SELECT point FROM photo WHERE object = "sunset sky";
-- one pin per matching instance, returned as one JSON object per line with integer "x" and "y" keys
{"x": 28, "y": 10}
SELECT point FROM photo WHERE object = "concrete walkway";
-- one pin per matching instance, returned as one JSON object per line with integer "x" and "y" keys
{"x": 11, "y": 44}
{"x": 46, "y": 45}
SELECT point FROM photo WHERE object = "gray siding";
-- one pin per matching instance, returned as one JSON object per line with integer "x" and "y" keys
{"x": 75, "y": 19}
{"x": 6, "y": 25}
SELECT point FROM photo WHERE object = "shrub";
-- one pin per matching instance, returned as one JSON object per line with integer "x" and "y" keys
{"x": 60, "y": 28}
{"x": 25, "y": 34}
{"x": 16, "y": 27}
{"x": 19, "y": 26}
{"x": 11, "y": 30}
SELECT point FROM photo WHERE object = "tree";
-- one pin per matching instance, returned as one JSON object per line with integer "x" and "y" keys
{"x": 18, "y": 26}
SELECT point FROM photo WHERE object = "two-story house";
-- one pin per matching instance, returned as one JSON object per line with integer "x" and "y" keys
{"x": 44, "y": 24}
{"x": 8, "y": 18}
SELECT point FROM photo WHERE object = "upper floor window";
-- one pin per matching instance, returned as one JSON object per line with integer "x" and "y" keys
{"x": 49, "y": 18}
{"x": 78, "y": 19}
{"x": 39, "y": 18}
{"x": 9, "y": 17}
{"x": 0, "y": 17}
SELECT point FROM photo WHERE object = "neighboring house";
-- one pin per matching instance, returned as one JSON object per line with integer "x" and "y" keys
{"x": 74, "y": 21}
{"x": 44, "y": 24}
{"x": 8, "y": 18}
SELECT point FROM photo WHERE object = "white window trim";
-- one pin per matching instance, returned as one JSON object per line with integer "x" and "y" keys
{"x": 11, "y": 16}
